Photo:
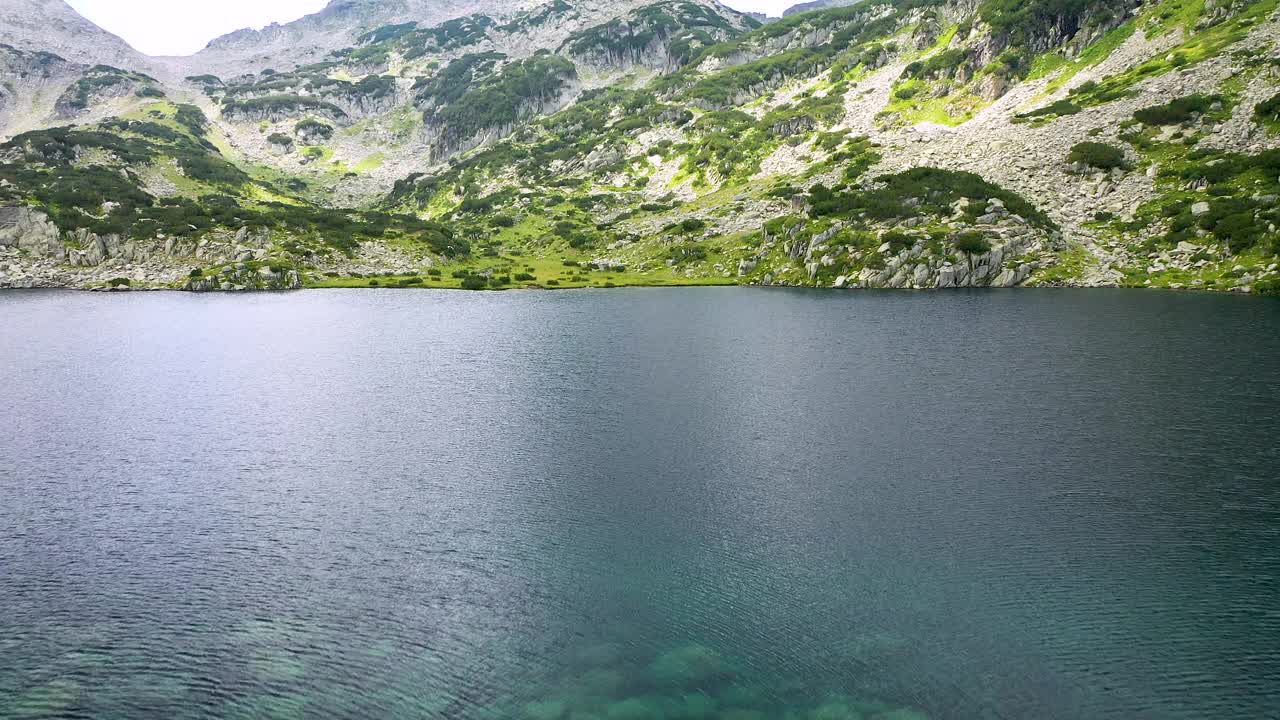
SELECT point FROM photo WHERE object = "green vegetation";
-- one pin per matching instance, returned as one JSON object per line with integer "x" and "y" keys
{"x": 1097, "y": 155}
{"x": 972, "y": 242}
{"x": 107, "y": 197}
{"x": 280, "y": 105}
{"x": 684, "y": 27}
{"x": 509, "y": 95}
{"x": 1199, "y": 46}
{"x": 1026, "y": 22}
{"x": 920, "y": 190}
{"x": 313, "y": 128}
{"x": 1268, "y": 112}
{"x": 1178, "y": 111}
{"x": 1054, "y": 109}
{"x": 101, "y": 78}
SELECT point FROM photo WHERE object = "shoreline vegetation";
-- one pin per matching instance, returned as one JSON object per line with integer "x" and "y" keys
{"x": 423, "y": 282}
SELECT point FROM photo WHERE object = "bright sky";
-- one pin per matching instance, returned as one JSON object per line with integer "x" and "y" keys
{"x": 166, "y": 27}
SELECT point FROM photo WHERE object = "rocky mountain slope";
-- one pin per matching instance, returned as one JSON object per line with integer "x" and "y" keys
{"x": 52, "y": 26}
{"x": 563, "y": 143}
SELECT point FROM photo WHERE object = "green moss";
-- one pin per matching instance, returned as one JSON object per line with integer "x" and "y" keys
{"x": 1199, "y": 46}
{"x": 1072, "y": 265}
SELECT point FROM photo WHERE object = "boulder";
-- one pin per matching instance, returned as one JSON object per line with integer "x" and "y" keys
{"x": 31, "y": 230}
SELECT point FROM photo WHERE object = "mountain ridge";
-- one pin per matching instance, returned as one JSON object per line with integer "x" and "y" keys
{"x": 915, "y": 143}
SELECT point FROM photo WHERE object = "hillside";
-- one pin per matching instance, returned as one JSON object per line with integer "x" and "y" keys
{"x": 912, "y": 143}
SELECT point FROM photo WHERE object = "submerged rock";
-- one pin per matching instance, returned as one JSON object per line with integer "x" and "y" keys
{"x": 689, "y": 666}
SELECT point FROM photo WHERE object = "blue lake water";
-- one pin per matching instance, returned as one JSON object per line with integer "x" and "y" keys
{"x": 728, "y": 504}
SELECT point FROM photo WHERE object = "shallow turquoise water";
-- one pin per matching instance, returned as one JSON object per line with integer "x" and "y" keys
{"x": 697, "y": 503}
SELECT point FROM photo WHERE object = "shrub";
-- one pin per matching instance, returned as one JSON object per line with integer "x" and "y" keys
{"x": 1177, "y": 111}
{"x": 474, "y": 282}
{"x": 689, "y": 252}
{"x": 310, "y": 126}
{"x": 1061, "y": 107}
{"x": 1268, "y": 110}
{"x": 120, "y": 282}
{"x": 192, "y": 118}
{"x": 524, "y": 277}
{"x": 906, "y": 92}
{"x": 972, "y": 243}
{"x": 898, "y": 241}
{"x": 1097, "y": 155}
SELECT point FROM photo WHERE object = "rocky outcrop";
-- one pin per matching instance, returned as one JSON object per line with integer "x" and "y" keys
{"x": 31, "y": 231}
{"x": 101, "y": 84}
{"x": 245, "y": 277}
{"x": 914, "y": 268}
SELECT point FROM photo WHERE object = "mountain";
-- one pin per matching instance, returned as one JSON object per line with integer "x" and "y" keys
{"x": 563, "y": 143}
{"x": 815, "y": 5}
{"x": 52, "y": 26}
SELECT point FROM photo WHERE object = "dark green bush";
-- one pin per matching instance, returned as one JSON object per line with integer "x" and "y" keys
{"x": 1178, "y": 111}
{"x": 1061, "y": 107}
{"x": 314, "y": 127}
{"x": 1097, "y": 155}
{"x": 898, "y": 241}
{"x": 1268, "y": 110}
{"x": 972, "y": 243}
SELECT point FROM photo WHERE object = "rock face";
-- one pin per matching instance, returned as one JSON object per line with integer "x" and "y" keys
{"x": 30, "y": 230}
{"x": 246, "y": 278}
{"x": 52, "y": 26}
{"x": 337, "y": 26}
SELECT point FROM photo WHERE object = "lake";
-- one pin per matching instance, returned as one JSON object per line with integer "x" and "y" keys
{"x": 731, "y": 504}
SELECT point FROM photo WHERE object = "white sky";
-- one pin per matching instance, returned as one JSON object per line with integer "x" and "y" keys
{"x": 175, "y": 27}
